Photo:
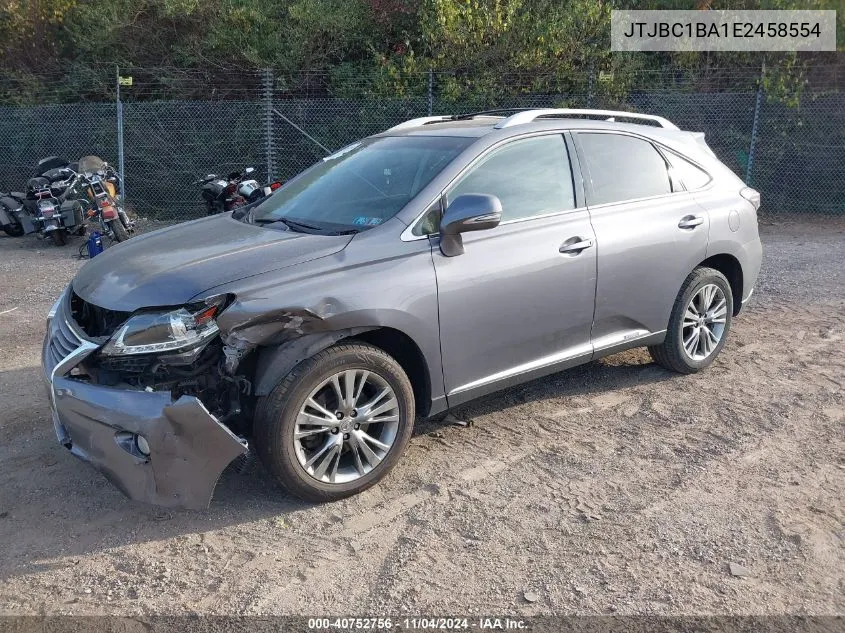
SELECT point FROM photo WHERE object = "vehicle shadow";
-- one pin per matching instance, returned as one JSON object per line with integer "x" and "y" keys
{"x": 33, "y": 242}
{"x": 54, "y": 507}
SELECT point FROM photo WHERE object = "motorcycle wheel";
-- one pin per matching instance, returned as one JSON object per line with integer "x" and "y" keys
{"x": 13, "y": 230}
{"x": 118, "y": 231}
{"x": 59, "y": 237}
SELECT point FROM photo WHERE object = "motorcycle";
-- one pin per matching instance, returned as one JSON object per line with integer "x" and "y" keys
{"x": 51, "y": 213}
{"x": 59, "y": 200}
{"x": 14, "y": 221}
{"x": 99, "y": 185}
{"x": 236, "y": 190}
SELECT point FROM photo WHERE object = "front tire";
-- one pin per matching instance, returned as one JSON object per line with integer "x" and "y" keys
{"x": 59, "y": 237}
{"x": 337, "y": 423}
{"x": 699, "y": 324}
{"x": 118, "y": 230}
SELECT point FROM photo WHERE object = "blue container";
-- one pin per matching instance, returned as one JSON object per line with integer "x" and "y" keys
{"x": 95, "y": 244}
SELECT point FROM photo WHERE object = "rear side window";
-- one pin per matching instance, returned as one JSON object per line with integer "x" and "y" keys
{"x": 623, "y": 168}
{"x": 531, "y": 177}
{"x": 691, "y": 176}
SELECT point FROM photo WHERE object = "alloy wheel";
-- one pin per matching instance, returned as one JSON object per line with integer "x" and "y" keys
{"x": 346, "y": 426}
{"x": 704, "y": 322}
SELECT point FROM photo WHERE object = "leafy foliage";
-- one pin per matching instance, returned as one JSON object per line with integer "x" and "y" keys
{"x": 486, "y": 49}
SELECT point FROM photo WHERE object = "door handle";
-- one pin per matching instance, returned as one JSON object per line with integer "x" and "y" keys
{"x": 690, "y": 221}
{"x": 575, "y": 247}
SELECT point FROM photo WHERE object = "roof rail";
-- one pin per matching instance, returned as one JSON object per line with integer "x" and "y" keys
{"x": 420, "y": 121}
{"x": 530, "y": 115}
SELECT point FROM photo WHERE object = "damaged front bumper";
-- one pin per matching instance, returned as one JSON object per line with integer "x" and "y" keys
{"x": 188, "y": 447}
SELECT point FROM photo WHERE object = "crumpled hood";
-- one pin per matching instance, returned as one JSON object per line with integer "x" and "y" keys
{"x": 173, "y": 265}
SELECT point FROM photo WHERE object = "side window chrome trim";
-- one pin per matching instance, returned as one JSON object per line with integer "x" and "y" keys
{"x": 408, "y": 234}
{"x": 671, "y": 194}
{"x": 551, "y": 214}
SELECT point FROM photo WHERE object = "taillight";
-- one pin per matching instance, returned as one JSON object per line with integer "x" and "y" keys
{"x": 275, "y": 185}
{"x": 108, "y": 212}
{"x": 752, "y": 195}
{"x": 48, "y": 209}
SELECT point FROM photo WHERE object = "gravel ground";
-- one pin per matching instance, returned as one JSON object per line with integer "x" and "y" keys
{"x": 616, "y": 487}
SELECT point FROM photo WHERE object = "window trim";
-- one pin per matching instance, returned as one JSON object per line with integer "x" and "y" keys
{"x": 408, "y": 234}
{"x": 668, "y": 154}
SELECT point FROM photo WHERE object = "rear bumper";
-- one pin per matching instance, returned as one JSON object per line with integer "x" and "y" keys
{"x": 188, "y": 447}
{"x": 753, "y": 259}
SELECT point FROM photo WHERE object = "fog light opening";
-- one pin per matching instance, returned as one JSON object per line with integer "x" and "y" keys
{"x": 142, "y": 445}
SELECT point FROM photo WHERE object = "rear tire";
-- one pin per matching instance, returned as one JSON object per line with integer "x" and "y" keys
{"x": 13, "y": 230}
{"x": 341, "y": 432}
{"x": 118, "y": 230}
{"x": 699, "y": 324}
{"x": 59, "y": 237}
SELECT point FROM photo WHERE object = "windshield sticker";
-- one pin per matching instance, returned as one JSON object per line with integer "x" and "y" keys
{"x": 365, "y": 221}
{"x": 341, "y": 152}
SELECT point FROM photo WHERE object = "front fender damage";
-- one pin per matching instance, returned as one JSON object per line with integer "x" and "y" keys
{"x": 285, "y": 337}
{"x": 242, "y": 325}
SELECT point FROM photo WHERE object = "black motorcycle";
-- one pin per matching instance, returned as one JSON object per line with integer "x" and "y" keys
{"x": 14, "y": 221}
{"x": 233, "y": 191}
{"x": 51, "y": 213}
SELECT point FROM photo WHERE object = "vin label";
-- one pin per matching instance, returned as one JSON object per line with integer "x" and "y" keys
{"x": 723, "y": 30}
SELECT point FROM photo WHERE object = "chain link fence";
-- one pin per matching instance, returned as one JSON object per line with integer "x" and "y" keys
{"x": 792, "y": 153}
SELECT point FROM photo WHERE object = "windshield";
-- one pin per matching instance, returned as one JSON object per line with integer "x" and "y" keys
{"x": 91, "y": 165}
{"x": 362, "y": 185}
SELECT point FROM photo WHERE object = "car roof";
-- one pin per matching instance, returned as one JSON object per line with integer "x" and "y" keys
{"x": 485, "y": 125}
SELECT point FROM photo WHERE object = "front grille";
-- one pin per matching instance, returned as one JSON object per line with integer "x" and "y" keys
{"x": 95, "y": 321}
{"x": 62, "y": 340}
{"x": 128, "y": 364}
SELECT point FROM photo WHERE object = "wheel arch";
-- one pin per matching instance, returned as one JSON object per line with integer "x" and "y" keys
{"x": 730, "y": 267}
{"x": 409, "y": 355}
{"x": 274, "y": 362}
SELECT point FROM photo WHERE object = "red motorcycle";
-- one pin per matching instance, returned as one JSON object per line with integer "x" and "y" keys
{"x": 233, "y": 191}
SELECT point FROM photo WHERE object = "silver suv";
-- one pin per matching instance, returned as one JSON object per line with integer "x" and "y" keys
{"x": 407, "y": 273}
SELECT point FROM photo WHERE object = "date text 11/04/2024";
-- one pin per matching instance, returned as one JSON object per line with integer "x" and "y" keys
{"x": 417, "y": 624}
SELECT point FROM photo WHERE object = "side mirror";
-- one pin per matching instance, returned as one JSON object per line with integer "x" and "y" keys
{"x": 468, "y": 212}
{"x": 249, "y": 170}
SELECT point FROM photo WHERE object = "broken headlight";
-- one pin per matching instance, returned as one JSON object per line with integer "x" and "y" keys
{"x": 150, "y": 332}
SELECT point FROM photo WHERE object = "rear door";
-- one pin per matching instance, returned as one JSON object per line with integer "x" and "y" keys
{"x": 519, "y": 301}
{"x": 650, "y": 234}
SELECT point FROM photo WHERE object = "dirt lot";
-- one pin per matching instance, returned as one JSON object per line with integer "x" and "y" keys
{"x": 613, "y": 488}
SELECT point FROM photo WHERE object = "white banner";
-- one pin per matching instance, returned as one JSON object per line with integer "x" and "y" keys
{"x": 723, "y": 31}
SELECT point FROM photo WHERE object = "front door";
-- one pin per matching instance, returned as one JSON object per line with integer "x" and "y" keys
{"x": 519, "y": 301}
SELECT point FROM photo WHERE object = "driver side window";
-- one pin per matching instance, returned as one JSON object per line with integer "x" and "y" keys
{"x": 531, "y": 177}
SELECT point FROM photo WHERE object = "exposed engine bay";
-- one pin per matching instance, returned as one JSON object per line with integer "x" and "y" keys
{"x": 196, "y": 373}
{"x": 204, "y": 371}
